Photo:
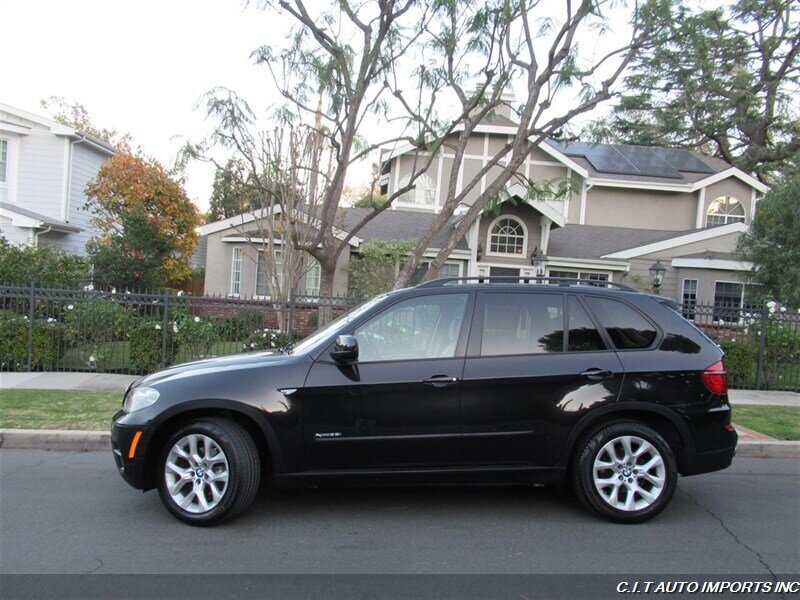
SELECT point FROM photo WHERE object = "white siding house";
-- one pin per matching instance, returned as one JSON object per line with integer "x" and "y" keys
{"x": 44, "y": 169}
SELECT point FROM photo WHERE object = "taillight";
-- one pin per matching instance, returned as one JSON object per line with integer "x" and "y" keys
{"x": 715, "y": 378}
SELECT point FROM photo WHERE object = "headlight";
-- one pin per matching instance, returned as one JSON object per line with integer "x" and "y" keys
{"x": 139, "y": 398}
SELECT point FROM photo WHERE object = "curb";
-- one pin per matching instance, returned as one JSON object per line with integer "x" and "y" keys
{"x": 87, "y": 441}
{"x": 53, "y": 439}
{"x": 768, "y": 449}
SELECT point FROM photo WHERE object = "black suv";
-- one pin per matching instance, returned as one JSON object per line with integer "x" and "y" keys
{"x": 458, "y": 379}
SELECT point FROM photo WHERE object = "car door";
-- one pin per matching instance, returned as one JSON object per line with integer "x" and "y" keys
{"x": 398, "y": 404}
{"x": 536, "y": 363}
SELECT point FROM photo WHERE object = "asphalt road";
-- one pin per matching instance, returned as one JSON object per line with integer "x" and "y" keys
{"x": 70, "y": 513}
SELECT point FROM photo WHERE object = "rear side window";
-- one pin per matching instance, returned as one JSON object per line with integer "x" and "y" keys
{"x": 583, "y": 335}
{"x": 626, "y": 327}
{"x": 522, "y": 323}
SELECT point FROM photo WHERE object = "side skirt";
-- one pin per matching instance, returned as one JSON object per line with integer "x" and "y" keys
{"x": 416, "y": 476}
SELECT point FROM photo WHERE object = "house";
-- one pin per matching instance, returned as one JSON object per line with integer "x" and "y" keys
{"x": 44, "y": 169}
{"x": 629, "y": 207}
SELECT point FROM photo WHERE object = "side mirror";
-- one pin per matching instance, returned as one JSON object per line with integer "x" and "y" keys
{"x": 345, "y": 348}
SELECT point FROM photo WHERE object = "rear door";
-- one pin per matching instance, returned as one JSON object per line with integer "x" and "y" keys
{"x": 536, "y": 362}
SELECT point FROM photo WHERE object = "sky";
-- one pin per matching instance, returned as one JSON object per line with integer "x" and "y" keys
{"x": 139, "y": 66}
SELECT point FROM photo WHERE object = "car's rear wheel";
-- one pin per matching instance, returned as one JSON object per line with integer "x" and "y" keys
{"x": 626, "y": 472}
{"x": 210, "y": 472}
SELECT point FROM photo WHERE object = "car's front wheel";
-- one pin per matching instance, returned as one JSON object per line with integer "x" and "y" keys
{"x": 626, "y": 472}
{"x": 210, "y": 471}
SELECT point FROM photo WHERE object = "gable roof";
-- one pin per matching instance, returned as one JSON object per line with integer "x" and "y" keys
{"x": 16, "y": 120}
{"x": 595, "y": 241}
{"x": 672, "y": 168}
{"x": 398, "y": 225}
{"x": 390, "y": 225}
{"x": 623, "y": 243}
{"x": 22, "y": 217}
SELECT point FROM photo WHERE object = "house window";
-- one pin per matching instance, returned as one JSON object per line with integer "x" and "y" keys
{"x": 580, "y": 275}
{"x": 725, "y": 209}
{"x": 507, "y": 236}
{"x": 262, "y": 268}
{"x": 449, "y": 269}
{"x": 3, "y": 161}
{"x": 236, "y": 272}
{"x": 423, "y": 194}
{"x": 731, "y": 302}
{"x": 313, "y": 277}
{"x": 689, "y": 298}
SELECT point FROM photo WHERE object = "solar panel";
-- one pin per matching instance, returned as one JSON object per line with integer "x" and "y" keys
{"x": 648, "y": 161}
{"x": 635, "y": 160}
{"x": 685, "y": 161}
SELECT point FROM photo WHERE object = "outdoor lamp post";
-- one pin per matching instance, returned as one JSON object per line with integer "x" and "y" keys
{"x": 657, "y": 271}
{"x": 539, "y": 262}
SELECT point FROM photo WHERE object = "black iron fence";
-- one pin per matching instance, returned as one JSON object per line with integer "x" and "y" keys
{"x": 86, "y": 330}
{"x": 761, "y": 343}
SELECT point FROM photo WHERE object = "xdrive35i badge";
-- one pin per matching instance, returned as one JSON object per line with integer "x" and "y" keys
{"x": 332, "y": 434}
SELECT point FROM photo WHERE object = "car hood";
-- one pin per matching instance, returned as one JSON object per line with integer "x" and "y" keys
{"x": 211, "y": 365}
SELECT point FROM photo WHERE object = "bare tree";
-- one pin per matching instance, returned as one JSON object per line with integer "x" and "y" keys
{"x": 516, "y": 42}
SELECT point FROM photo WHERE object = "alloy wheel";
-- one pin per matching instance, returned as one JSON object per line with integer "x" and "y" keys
{"x": 629, "y": 473}
{"x": 196, "y": 473}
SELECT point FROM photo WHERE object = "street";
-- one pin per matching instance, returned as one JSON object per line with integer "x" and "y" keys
{"x": 71, "y": 513}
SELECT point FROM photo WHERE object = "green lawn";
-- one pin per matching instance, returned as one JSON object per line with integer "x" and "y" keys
{"x": 780, "y": 422}
{"x": 58, "y": 409}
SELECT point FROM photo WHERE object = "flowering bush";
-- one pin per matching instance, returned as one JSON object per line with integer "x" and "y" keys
{"x": 146, "y": 340}
{"x": 46, "y": 348}
{"x": 93, "y": 327}
{"x": 265, "y": 339}
{"x": 196, "y": 336}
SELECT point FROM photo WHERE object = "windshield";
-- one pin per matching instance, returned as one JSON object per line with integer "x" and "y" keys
{"x": 337, "y": 324}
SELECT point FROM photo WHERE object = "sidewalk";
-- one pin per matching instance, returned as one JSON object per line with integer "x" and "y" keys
{"x": 764, "y": 398}
{"x": 97, "y": 382}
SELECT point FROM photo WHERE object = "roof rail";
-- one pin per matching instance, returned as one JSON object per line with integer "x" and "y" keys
{"x": 563, "y": 281}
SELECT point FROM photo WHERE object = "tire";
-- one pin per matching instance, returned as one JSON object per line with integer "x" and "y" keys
{"x": 209, "y": 472}
{"x": 617, "y": 487}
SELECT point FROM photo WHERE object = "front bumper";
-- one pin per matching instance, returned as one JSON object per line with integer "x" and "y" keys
{"x": 130, "y": 464}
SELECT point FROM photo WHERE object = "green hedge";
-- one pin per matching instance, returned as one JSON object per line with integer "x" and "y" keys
{"x": 45, "y": 344}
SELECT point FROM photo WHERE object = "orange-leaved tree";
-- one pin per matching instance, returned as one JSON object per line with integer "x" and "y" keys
{"x": 147, "y": 224}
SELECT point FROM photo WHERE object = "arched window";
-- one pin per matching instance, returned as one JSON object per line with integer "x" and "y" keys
{"x": 725, "y": 209}
{"x": 423, "y": 194}
{"x": 507, "y": 236}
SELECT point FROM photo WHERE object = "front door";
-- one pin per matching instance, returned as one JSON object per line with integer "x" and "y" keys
{"x": 398, "y": 404}
{"x": 525, "y": 382}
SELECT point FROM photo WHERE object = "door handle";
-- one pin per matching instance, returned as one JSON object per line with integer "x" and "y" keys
{"x": 596, "y": 373}
{"x": 440, "y": 380}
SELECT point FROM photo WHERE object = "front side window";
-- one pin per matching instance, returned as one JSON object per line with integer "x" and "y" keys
{"x": 425, "y": 327}
{"x": 627, "y": 329}
{"x": 522, "y": 323}
{"x": 3, "y": 161}
{"x": 507, "y": 236}
{"x": 723, "y": 210}
{"x": 236, "y": 272}
{"x": 262, "y": 270}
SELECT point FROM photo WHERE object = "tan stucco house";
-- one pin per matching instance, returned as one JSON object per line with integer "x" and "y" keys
{"x": 629, "y": 207}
